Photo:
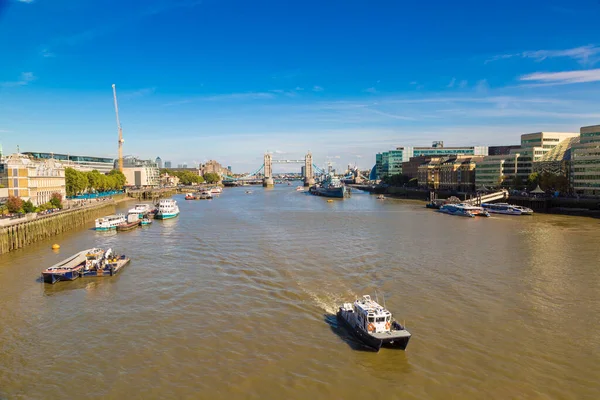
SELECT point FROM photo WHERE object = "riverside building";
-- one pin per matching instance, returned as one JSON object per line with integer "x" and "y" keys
{"x": 585, "y": 162}
{"x": 140, "y": 173}
{"x": 84, "y": 163}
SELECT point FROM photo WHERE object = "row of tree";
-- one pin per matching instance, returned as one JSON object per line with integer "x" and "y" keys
{"x": 190, "y": 178}
{"x": 78, "y": 182}
{"x": 16, "y": 204}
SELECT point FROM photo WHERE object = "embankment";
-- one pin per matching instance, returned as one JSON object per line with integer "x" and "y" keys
{"x": 21, "y": 234}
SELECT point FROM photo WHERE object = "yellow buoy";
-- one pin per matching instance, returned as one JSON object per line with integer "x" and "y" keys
{"x": 330, "y": 201}
{"x": 55, "y": 247}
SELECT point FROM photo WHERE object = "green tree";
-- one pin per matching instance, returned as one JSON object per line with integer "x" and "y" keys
{"x": 533, "y": 180}
{"x": 56, "y": 200}
{"x": 517, "y": 182}
{"x": 117, "y": 179}
{"x": 94, "y": 180}
{"x": 211, "y": 177}
{"x": 14, "y": 204}
{"x": 28, "y": 207}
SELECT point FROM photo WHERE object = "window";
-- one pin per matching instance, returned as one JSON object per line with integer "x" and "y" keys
{"x": 371, "y": 319}
{"x": 380, "y": 319}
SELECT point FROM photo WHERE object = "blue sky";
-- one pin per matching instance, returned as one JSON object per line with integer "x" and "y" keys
{"x": 229, "y": 80}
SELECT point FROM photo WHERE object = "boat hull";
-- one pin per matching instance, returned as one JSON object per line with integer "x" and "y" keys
{"x": 128, "y": 226}
{"x": 108, "y": 270}
{"x": 367, "y": 340}
{"x": 104, "y": 229}
{"x": 53, "y": 277}
{"x": 166, "y": 216}
{"x": 338, "y": 193}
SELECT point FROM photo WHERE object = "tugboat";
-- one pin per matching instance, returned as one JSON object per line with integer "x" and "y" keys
{"x": 103, "y": 263}
{"x": 330, "y": 187}
{"x": 373, "y": 325}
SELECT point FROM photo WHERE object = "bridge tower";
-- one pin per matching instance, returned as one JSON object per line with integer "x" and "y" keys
{"x": 268, "y": 180}
{"x": 309, "y": 176}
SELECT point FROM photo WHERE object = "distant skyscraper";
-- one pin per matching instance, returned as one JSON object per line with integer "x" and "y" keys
{"x": 167, "y": 164}
{"x": 159, "y": 162}
{"x": 184, "y": 166}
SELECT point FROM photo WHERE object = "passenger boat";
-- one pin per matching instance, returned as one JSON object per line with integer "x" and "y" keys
{"x": 102, "y": 263}
{"x": 463, "y": 210}
{"x": 330, "y": 187}
{"x": 109, "y": 222}
{"x": 373, "y": 325}
{"x": 507, "y": 209}
{"x": 167, "y": 208}
{"x": 204, "y": 195}
{"x": 216, "y": 190}
{"x": 140, "y": 210}
{"x": 132, "y": 222}
{"x": 66, "y": 270}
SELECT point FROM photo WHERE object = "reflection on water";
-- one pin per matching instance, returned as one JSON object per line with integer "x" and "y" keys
{"x": 237, "y": 297}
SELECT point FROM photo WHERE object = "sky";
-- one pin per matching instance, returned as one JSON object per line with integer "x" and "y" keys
{"x": 230, "y": 80}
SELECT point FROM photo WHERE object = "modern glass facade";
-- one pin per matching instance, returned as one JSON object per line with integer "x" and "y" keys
{"x": 100, "y": 164}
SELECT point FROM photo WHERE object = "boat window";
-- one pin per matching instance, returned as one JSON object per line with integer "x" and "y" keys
{"x": 371, "y": 319}
{"x": 388, "y": 318}
{"x": 380, "y": 319}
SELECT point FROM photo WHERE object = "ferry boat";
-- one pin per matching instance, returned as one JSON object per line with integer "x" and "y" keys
{"x": 140, "y": 210}
{"x": 373, "y": 325}
{"x": 507, "y": 209}
{"x": 463, "y": 210}
{"x": 109, "y": 222}
{"x": 102, "y": 263}
{"x": 132, "y": 222}
{"x": 66, "y": 270}
{"x": 167, "y": 208}
{"x": 330, "y": 187}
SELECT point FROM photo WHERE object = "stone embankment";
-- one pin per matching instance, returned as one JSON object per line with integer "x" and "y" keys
{"x": 20, "y": 233}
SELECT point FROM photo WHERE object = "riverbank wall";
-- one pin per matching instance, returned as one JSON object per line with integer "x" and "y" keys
{"x": 151, "y": 194}
{"x": 23, "y": 233}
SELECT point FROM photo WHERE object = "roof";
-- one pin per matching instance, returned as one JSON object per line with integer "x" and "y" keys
{"x": 538, "y": 189}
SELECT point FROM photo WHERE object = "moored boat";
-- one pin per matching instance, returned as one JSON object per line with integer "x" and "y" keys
{"x": 506, "y": 209}
{"x": 167, "y": 208}
{"x": 145, "y": 221}
{"x": 216, "y": 190}
{"x": 204, "y": 195}
{"x": 190, "y": 196}
{"x": 456, "y": 209}
{"x": 109, "y": 222}
{"x": 66, "y": 270}
{"x": 140, "y": 209}
{"x": 373, "y": 325}
{"x": 132, "y": 222}
{"x": 331, "y": 186}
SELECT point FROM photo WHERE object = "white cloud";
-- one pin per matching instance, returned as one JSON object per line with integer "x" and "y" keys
{"x": 25, "y": 1}
{"x": 47, "y": 53}
{"x": 371, "y": 90}
{"x": 583, "y": 54}
{"x": 452, "y": 82}
{"x": 24, "y": 80}
{"x": 463, "y": 84}
{"x": 482, "y": 86}
{"x": 562, "y": 78}
{"x": 317, "y": 88}
{"x": 298, "y": 88}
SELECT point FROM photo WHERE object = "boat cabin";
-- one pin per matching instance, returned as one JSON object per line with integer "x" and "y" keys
{"x": 371, "y": 316}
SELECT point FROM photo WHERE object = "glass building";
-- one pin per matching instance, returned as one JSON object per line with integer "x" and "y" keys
{"x": 585, "y": 162}
{"x": 100, "y": 164}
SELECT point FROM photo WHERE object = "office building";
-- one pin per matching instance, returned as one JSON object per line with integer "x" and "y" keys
{"x": 159, "y": 162}
{"x": 585, "y": 162}
{"x": 83, "y": 163}
{"x": 167, "y": 164}
{"x": 140, "y": 173}
{"x": 32, "y": 179}
{"x": 494, "y": 171}
{"x": 501, "y": 150}
{"x": 542, "y": 147}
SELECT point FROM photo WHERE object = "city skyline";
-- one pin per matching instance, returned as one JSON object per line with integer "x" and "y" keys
{"x": 231, "y": 80}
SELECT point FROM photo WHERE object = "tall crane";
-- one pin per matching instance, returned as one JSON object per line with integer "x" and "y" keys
{"x": 120, "y": 129}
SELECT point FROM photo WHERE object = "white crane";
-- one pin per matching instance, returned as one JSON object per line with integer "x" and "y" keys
{"x": 120, "y": 130}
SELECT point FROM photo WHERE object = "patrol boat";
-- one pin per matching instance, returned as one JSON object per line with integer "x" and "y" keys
{"x": 373, "y": 325}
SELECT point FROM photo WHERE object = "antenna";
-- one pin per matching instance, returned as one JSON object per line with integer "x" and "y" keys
{"x": 383, "y": 295}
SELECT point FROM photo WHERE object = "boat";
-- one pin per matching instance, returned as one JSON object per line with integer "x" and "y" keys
{"x": 167, "y": 208}
{"x": 145, "y": 221}
{"x": 190, "y": 196}
{"x": 373, "y": 325}
{"x": 506, "y": 209}
{"x": 216, "y": 190}
{"x": 66, "y": 270}
{"x": 299, "y": 189}
{"x": 204, "y": 195}
{"x": 248, "y": 191}
{"x": 132, "y": 222}
{"x": 100, "y": 263}
{"x": 331, "y": 186}
{"x": 109, "y": 222}
{"x": 435, "y": 204}
{"x": 381, "y": 197}
{"x": 463, "y": 210}
{"x": 141, "y": 210}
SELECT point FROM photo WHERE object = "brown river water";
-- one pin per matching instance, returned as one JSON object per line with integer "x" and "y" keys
{"x": 235, "y": 299}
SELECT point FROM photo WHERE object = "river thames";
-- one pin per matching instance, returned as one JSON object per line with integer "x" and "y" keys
{"x": 235, "y": 299}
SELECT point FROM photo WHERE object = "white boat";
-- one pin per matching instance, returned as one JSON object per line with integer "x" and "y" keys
{"x": 373, "y": 324}
{"x": 167, "y": 208}
{"x": 109, "y": 222}
{"x": 463, "y": 210}
{"x": 507, "y": 209}
{"x": 140, "y": 209}
{"x": 216, "y": 190}
{"x": 299, "y": 189}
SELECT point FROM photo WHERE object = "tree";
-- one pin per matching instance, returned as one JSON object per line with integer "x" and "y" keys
{"x": 56, "y": 200}
{"x": 533, "y": 180}
{"x": 14, "y": 204}
{"x": 28, "y": 207}
{"x": 76, "y": 182}
{"x": 212, "y": 177}
{"x": 517, "y": 182}
{"x": 117, "y": 179}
